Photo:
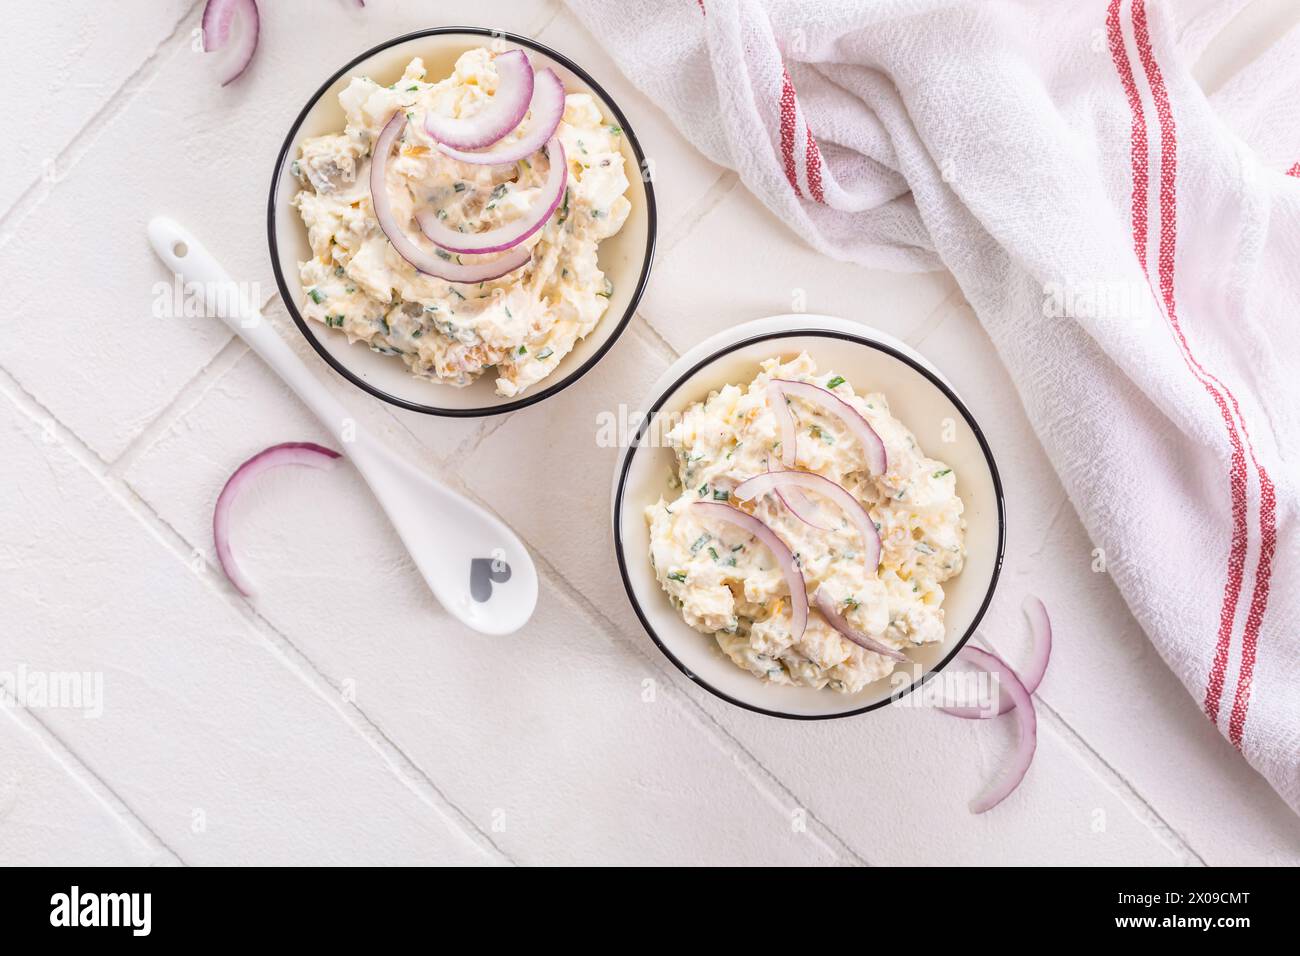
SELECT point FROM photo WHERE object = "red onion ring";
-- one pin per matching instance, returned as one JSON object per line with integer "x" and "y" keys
{"x": 509, "y": 235}
{"x": 793, "y": 576}
{"x": 495, "y": 118}
{"x": 545, "y": 112}
{"x": 289, "y": 453}
{"x": 836, "y": 620}
{"x": 1027, "y": 719}
{"x": 1040, "y": 630}
{"x": 428, "y": 263}
{"x": 218, "y": 15}
{"x": 872, "y": 445}
{"x": 852, "y": 508}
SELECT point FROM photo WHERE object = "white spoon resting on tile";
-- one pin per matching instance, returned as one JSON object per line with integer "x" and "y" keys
{"x": 475, "y": 565}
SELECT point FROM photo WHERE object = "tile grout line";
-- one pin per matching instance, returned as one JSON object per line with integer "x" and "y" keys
{"x": 1174, "y": 841}
{"x": 95, "y": 786}
{"x": 763, "y": 780}
{"x": 657, "y": 338}
{"x": 72, "y": 764}
{"x": 183, "y": 401}
{"x": 1120, "y": 785}
{"x": 406, "y": 770}
{"x": 79, "y": 143}
{"x": 554, "y": 11}
{"x": 1117, "y": 782}
{"x": 713, "y": 196}
{"x": 936, "y": 317}
{"x": 1133, "y": 799}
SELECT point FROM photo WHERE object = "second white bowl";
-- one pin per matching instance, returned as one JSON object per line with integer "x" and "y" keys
{"x": 919, "y": 396}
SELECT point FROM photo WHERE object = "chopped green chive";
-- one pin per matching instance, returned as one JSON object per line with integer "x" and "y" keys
{"x": 316, "y": 296}
{"x": 835, "y": 382}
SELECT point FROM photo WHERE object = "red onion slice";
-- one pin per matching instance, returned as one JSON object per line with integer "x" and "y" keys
{"x": 427, "y": 262}
{"x": 1015, "y": 770}
{"x": 835, "y": 619}
{"x": 512, "y": 233}
{"x": 218, "y": 16}
{"x": 852, "y": 508}
{"x": 545, "y": 112}
{"x": 785, "y": 422}
{"x": 872, "y": 445}
{"x": 801, "y": 506}
{"x": 1040, "y": 630}
{"x": 289, "y": 453}
{"x": 495, "y": 118}
{"x": 793, "y": 576}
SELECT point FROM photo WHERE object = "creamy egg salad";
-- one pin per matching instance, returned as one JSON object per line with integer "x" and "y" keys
{"x": 726, "y": 583}
{"x": 521, "y": 324}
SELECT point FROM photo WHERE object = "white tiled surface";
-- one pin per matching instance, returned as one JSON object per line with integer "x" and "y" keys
{"x": 342, "y": 716}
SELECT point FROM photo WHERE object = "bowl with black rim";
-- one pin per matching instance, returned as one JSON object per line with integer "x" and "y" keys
{"x": 919, "y": 396}
{"x": 625, "y": 258}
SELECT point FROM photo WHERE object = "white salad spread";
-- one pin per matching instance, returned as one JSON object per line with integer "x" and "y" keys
{"x": 726, "y": 583}
{"x": 520, "y": 324}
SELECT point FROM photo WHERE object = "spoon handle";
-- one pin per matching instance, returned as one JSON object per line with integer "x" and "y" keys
{"x": 472, "y": 553}
{"x": 181, "y": 252}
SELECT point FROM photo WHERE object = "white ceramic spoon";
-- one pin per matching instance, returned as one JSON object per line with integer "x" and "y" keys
{"x": 476, "y": 566}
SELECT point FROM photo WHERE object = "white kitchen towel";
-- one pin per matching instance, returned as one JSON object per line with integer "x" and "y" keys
{"x": 1131, "y": 247}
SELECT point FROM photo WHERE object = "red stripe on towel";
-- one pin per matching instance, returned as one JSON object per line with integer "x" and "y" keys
{"x": 1168, "y": 236}
{"x": 813, "y": 160}
{"x": 788, "y": 130}
{"x": 1137, "y": 133}
{"x": 1267, "y": 516}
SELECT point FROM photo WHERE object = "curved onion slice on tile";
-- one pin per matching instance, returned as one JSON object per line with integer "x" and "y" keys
{"x": 1026, "y": 718}
{"x": 218, "y": 16}
{"x": 1040, "y": 630}
{"x": 784, "y": 559}
{"x": 289, "y": 453}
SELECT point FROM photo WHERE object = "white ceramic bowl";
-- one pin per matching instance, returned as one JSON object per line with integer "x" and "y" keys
{"x": 919, "y": 397}
{"x": 625, "y": 258}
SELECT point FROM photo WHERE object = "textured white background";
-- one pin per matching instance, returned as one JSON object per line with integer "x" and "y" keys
{"x": 342, "y": 717}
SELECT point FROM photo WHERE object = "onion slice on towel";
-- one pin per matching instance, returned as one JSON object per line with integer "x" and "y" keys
{"x": 289, "y": 453}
